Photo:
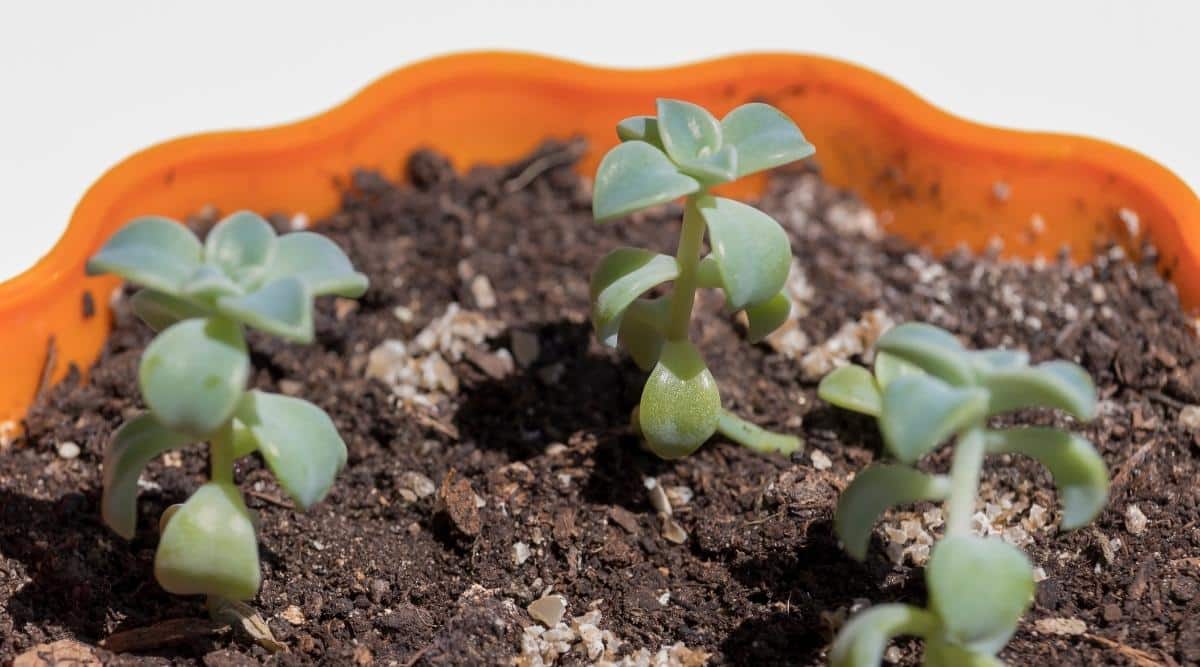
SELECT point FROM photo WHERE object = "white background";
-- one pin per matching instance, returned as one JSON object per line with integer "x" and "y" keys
{"x": 84, "y": 84}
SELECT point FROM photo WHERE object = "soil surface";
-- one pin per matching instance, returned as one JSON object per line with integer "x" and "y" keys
{"x": 476, "y": 485}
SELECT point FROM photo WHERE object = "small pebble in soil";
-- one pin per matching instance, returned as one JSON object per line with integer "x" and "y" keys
{"x": 68, "y": 450}
{"x": 548, "y": 609}
{"x": 1135, "y": 520}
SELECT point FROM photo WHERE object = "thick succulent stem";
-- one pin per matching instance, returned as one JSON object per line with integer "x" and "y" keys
{"x": 755, "y": 437}
{"x": 964, "y": 480}
{"x": 220, "y": 455}
{"x": 683, "y": 296}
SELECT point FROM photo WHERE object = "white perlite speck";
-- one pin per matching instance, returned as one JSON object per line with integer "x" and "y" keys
{"x": 820, "y": 460}
{"x": 1135, "y": 520}
{"x": 1189, "y": 417}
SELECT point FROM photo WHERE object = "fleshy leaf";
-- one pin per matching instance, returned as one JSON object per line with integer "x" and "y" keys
{"x": 318, "y": 262}
{"x": 720, "y": 166}
{"x": 997, "y": 359}
{"x": 851, "y": 387}
{"x": 767, "y": 316}
{"x": 242, "y": 245}
{"x": 193, "y": 375}
{"x": 640, "y": 128}
{"x": 689, "y": 132}
{"x": 875, "y": 490}
{"x": 680, "y": 403}
{"x": 633, "y": 176}
{"x": 1078, "y": 470}
{"x": 297, "y": 440}
{"x": 641, "y": 330}
{"x": 243, "y": 441}
{"x": 1055, "y": 384}
{"x": 622, "y": 276}
{"x": 755, "y": 437}
{"x": 764, "y": 138}
{"x": 160, "y": 310}
{"x": 931, "y": 349}
{"x": 152, "y": 251}
{"x": 979, "y": 588}
{"x": 863, "y": 640}
{"x": 282, "y": 307}
{"x": 134, "y": 445}
{"x": 888, "y": 368}
{"x": 752, "y": 251}
{"x": 919, "y": 412}
{"x": 209, "y": 547}
{"x": 208, "y": 283}
{"x": 943, "y": 654}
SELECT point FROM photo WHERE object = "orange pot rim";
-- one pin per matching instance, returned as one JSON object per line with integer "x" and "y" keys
{"x": 72, "y": 248}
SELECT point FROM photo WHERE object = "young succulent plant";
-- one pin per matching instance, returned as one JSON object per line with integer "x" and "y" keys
{"x": 926, "y": 389}
{"x": 193, "y": 377}
{"x": 683, "y": 151}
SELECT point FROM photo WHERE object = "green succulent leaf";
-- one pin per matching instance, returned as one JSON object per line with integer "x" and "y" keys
{"x": 755, "y": 437}
{"x": 752, "y": 252}
{"x": 242, "y": 441}
{"x": 931, "y": 349}
{"x": 987, "y": 360}
{"x": 242, "y": 246}
{"x": 193, "y": 375}
{"x": 642, "y": 328}
{"x": 633, "y": 176}
{"x": 689, "y": 132}
{"x": 297, "y": 440}
{"x": 714, "y": 168}
{"x": 1078, "y": 470}
{"x": 318, "y": 263}
{"x": 160, "y": 310}
{"x": 852, "y": 387}
{"x": 1055, "y": 384}
{"x": 863, "y": 640}
{"x": 209, "y": 547}
{"x": 764, "y": 137}
{"x": 874, "y": 491}
{"x": 939, "y": 653}
{"x": 622, "y": 276}
{"x": 888, "y": 368}
{"x": 979, "y": 588}
{"x": 919, "y": 412}
{"x": 151, "y": 251}
{"x": 208, "y": 283}
{"x": 640, "y": 128}
{"x": 767, "y": 316}
{"x": 135, "y": 444}
{"x": 680, "y": 404}
{"x": 282, "y": 307}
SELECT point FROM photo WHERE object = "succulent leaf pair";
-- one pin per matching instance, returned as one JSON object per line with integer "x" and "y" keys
{"x": 926, "y": 389}
{"x": 193, "y": 377}
{"x": 683, "y": 151}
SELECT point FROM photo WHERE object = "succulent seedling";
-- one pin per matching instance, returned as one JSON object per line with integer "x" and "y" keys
{"x": 193, "y": 377}
{"x": 926, "y": 389}
{"x": 683, "y": 151}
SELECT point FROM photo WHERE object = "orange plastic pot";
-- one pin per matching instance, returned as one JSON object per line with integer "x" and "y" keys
{"x": 933, "y": 177}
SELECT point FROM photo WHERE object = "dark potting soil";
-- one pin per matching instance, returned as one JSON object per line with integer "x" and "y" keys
{"x": 542, "y": 484}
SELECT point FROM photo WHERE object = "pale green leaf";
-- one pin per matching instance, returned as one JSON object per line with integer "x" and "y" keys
{"x": 680, "y": 403}
{"x": 851, "y": 387}
{"x": 767, "y": 316}
{"x": 297, "y": 440}
{"x": 1055, "y": 384}
{"x": 242, "y": 441}
{"x": 764, "y": 138}
{"x": 318, "y": 262}
{"x": 622, "y": 276}
{"x": 863, "y": 640}
{"x": 689, "y": 132}
{"x": 720, "y": 166}
{"x": 979, "y": 588}
{"x": 1078, "y": 470}
{"x": 193, "y": 374}
{"x": 933, "y": 350}
{"x": 888, "y": 368}
{"x": 997, "y": 359}
{"x": 282, "y": 307}
{"x": 642, "y": 329}
{"x": 875, "y": 490}
{"x": 209, "y": 546}
{"x": 207, "y": 284}
{"x": 160, "y": 310}
{"x": 919, "y": 412}
{"x": 135, "y": 444}
{"x": 242, "y": 246}
{"x": 633, "y": 176}
{"x": 152, "y": 251}
{"x": 755, "y": 437}
{"x": 640, "y": 128}
{"x": 939, "y": 653}
{"x": 752, "y": 252}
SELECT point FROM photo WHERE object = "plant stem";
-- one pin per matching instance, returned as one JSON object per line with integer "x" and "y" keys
{"x": 220, "y": 455}
{"x": 755, "y": 437}
{"x": 688, "y": 257}
{"x": 964, "y": 480}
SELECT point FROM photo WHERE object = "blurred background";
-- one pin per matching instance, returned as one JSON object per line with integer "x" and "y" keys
{"x": 85, "y": 84}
